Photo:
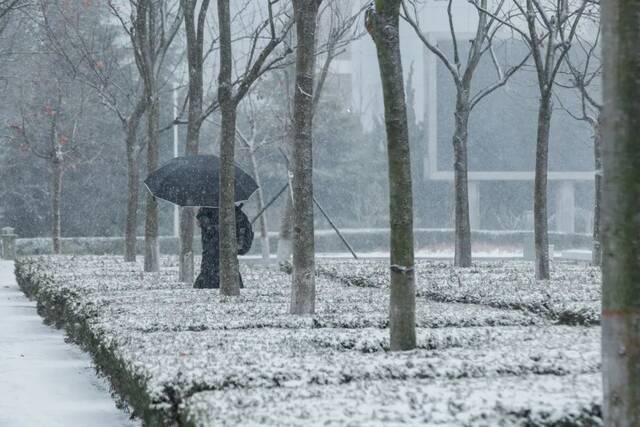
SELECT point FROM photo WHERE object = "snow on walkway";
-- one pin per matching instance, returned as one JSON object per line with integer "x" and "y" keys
{"x": 43, "y": 380}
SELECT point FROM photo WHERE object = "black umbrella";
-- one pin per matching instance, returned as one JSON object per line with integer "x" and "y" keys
{"x": 194, "y": 181}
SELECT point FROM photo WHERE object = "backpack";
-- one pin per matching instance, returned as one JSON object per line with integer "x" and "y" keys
{"x": 244, "y": 232}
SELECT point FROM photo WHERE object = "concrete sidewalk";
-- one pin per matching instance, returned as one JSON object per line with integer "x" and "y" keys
{"x": 43, "y": 380}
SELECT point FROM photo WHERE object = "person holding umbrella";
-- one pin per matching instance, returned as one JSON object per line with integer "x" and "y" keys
{"x": 192, "y": 181}
{"x": 209, "y": 277}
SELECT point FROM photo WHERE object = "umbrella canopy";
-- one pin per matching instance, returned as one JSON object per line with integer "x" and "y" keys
{"x": 194, "y": 181}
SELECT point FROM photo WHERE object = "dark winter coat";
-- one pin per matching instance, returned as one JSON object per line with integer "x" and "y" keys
{"x": 210, "y": 268}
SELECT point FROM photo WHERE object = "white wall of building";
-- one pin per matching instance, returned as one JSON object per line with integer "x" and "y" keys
{"x": 367, "y": 92}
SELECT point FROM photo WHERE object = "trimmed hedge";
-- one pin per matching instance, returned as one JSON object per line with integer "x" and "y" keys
{"x": 171, "y": 351}
{"x": 571, "y": 297}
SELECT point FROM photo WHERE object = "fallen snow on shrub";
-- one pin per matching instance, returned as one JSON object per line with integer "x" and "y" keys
{"x": 216, "y": 360}
{"x": 179, "y": 354}
{"x": 573, "y": 400}
{"x": 572, "y": 296}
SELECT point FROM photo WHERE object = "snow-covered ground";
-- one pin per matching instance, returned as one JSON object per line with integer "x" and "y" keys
{"x": 494, "y": 346}
{"x": 45, "y": 381}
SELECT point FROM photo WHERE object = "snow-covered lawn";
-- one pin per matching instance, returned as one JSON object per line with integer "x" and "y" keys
{"x": 495, "y": 347}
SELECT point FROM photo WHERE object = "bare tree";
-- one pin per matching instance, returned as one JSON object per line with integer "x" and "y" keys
{"x": 253, "y": 144}
{"x": 303, "y": 290}
{"x": 462, "y": 72}
{"x": 382, "y": 22}
{"x": 229, "y": 281}
{"x": 333, "y": 40}
{"x": 50, "y": 132}
{"x": 285, "y": 236}
{"x": 6, "y": 8}
{"x": 131, "y": 123}
{"x": 152, "y": 28}
{"x": 584, "y": 74}
{"x": 9, "y": 6}
{"x": 52, "y": 106}
{"x": 620, "y": 207}
{"x": 95, "y": 61}
{"x": 548, "y": 28}
{"x": 261, "y": 59}
{"x": 8, "y": 20}
{"x": 195, "y": 33}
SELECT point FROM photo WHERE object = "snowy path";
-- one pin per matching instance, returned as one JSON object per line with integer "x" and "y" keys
{"x": 43, "y": 380}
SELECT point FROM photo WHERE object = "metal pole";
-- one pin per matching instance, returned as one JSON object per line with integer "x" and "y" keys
{"x": 176, "y": 209}
{"x": 335, "y": 228}
{"x": 315, "y": 201}
{"x": 270, "y": 203}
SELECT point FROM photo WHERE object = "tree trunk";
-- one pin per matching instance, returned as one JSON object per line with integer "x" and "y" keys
{"x": 264, "y": 230}
{"x": 285, "y": 245}
{"x": 133, "y": 178}
{"x": 194, "y": 33}
{"x": 187, "y": 229}
{"x": 145, "y": 32}
{"x": 303, "y": 289}
{"x": 187, "y": 215}
{"x": 229, "y": 280}
{"x": 462, "y": 256}
{"x": 284, "y": 238}
{"x": 151, "y": 244}
{"x": 540, "y": 221}
{"x": 383, "y": 25}
{"x": 131, "y": 126}
{"x": 596, "y": 258}
{"x": 56, "y": 198}
{"x": 620, "y": 208}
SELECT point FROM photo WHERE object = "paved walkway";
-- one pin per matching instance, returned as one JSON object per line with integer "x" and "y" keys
{"x": 43, "y": 380}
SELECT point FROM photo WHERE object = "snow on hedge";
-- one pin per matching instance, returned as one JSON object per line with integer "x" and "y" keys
{"x": 572, "y": 400}
{"x": 572, "y": 296}
{"x": 191, "y": 361}
{"x": 188, "y": 310}
{"x": 170, "y": 350}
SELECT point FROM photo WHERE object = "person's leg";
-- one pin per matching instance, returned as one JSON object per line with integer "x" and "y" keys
{"x": 215, "y": 279}
{"x": 208, "y": 277}
{"x": 200, "y": 282}
{"x": 215, "y": 260}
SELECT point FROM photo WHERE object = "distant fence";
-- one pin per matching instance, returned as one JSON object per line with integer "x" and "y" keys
{"x": 362, "y": 240}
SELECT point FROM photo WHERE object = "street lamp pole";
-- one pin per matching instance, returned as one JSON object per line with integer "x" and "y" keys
{"x": 176, "y": 209}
